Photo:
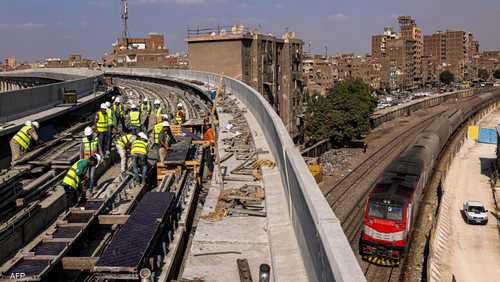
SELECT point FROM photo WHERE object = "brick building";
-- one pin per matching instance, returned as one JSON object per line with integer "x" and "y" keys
{"x": 271, "y": 65}
{"x": 147, "y": 51}
{"x": 9, "y": 63}
{"x": 319, "y": 74}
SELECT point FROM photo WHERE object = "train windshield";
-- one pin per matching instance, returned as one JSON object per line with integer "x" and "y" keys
{"x": 383, "y": 211}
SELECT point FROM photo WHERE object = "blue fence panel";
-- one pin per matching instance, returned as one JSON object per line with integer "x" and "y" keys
{"x": 487, "y": 135}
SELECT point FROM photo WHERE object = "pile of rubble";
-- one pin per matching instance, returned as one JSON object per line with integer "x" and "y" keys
{"x": 334, "y": 160}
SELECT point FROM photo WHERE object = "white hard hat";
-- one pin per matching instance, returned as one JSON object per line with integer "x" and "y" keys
{"x": 165, "y": 123}
{"x": 142, "y": 135}
{"x": 157, "y": 102}
{"x": 99, "y": 159}
{"x": 146, "y": 99}
{"x": 103, "y": 106}
{"x": 118, "y": 100}
{"x": 28, "y": 122}
{"x": 88, "y": 131}
{"x": 108, "y": 104}
{"x": 179, "y": 105}
{"x": 35, "y": 124}
{"x": 133, "y": 106}
{"x": 113, "y": 98}
{"x": 165, "y": 116}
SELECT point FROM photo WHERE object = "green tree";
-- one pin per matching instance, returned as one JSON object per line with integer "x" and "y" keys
{"x": 446, "y": 77}
{"x": 483, "y": 74}
{"x": 342, "y": 114}
{"x": 496, "y": 74}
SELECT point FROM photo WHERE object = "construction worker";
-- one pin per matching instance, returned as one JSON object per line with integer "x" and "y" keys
{"x": 111, "y": 123}
{"x": 123, "y": 145}
{"x": 24, "y": 138}
{"x": 72, "y": 182}
{"x": 134, "y": 119}
{"x": 163, "y": 138}
{"x": 89, "y": 148}
{"x": 119, "y": 113}
{"x": 158, "y": 111}
{"x": 101, "y": 125}
{"x": 180, "y": 116}
{"x": 139, "y": 153}
{"x": 209, "y": 135}
{"x": 145, "y": 113}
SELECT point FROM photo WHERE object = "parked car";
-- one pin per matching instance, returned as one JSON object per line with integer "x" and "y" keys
{"x": 475, "y": 212}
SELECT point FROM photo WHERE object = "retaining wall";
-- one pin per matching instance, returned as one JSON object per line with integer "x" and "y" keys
{"x": 324, "y": 247}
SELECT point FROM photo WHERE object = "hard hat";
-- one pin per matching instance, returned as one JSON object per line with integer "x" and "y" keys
{"x": 108, "y": 104}
{"x": 98, "y": 158}
{"x": 179, "y": 105}
{"x": 165, "y": 116}
{"x": 103, "y": 106}
{"x": 28, "y": 122}
{"x": 113, "y": 98}
{"x": 118, "y": 100}
{"x": 142, "y": 135}
{"x": 165, "y": 123}
{"x": 157, "y": 102}
{"x": 88, "y": 131}
{"x": 133, "y": 106}
{"x": 35, "y": 124}
{"x": 146, "y": 99}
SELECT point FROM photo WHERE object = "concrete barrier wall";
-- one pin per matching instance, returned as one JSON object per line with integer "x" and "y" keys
{"x": 324, "y": 246}
{"x": 19, "y": 103}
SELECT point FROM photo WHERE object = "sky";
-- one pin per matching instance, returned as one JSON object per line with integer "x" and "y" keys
{"x": 37, "y": 29}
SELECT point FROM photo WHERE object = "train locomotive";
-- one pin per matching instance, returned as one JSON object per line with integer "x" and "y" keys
{"x": 392, "y": 205}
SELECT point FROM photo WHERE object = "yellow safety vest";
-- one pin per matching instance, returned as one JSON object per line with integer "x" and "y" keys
{"x": 89, "y": 147}
{"x": 178, "y": 117}
{"x": 118, "y": 110}
{"x": 124, "y": 140}
{"x": 72, "y": 179}
{"x": 157, "y": 130}
{"x": 135, "y": 118}
{"x": 139, "y": 147}
{"x": 146, "y": 108}
{"x": 111, "y": 117}
{"x": 158, "y": 115}
{"x": 102, "y": 122}
{"x": 23, "y": 138}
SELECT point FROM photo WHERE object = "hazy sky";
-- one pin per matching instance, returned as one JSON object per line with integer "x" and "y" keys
{"x": 33, "y": 29}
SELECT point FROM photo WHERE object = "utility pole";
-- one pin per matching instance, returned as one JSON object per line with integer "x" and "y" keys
{"x": 125, "y": 18}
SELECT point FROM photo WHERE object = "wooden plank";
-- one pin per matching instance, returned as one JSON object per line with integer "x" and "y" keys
{"x": 39, "y": 257}
{"x": 192, "y": 163}
{"x": 79, "y": 263}
{"x": 113, "y": 219}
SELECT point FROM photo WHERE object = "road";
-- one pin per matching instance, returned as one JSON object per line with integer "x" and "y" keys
{"x": 472, "y": 251}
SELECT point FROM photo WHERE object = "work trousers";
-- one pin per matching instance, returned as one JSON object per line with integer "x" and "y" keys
{"x": 140, "y": 167}
{"x": 91, "y": 178}
{"x": 103, "y": 142}
{"x": 109, "y": 138}
{"x": 122, "y": 152}
{"x": 15, "y": 150}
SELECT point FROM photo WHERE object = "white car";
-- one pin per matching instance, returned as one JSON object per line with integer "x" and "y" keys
{"x": 475, "y": 212}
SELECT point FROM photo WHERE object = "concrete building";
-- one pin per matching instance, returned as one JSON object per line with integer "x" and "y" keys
{"x": 319, "y": 74}
{"x": 451, "y": 50}
{"x": 73, "y": 61}
{"x": 271, "y": 65}
{"x": 147, "y": 51}
{"x": 400, "y": 55}
{"x": 488, "y": 60}
{"x": 9, "y": 63}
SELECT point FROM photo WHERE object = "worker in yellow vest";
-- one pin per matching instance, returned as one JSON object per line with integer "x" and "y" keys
{"x": 72, "y": 181}
{"x": 123, "y": 145}
{"x": 180, "y": 116}
{"x": 145, "y": 113}
{"x": 139, "y": 153}
{"x": 158, "y": 111}
{"x": 23, "y": 141}
{"x": 119, "y": 113}
{"x": 101, "y": 125}
{"x": 134, "y": 119}
{"x": 89, "y": 148}
{"x": 163, "y": 138}
{"x": 111, "y": 124}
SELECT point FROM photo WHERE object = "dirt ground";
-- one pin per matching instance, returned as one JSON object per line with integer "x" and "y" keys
{"x": 472, "y": 251}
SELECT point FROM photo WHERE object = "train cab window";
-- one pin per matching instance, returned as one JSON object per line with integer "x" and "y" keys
{"x": 394, "y": 213}
{"x": 376, "y": 210}
{"x": 382, "y": 211}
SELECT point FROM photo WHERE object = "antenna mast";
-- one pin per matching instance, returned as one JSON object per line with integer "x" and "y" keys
{"x": 125, "y": 18}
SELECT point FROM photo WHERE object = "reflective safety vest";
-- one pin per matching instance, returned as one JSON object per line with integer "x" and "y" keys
{"x": 111, "y": 117}
{"x": 158, "y": 128}
{"x": 23, "y": 138}
{"x": 146, "y": 108}
{"x": 124, "y": 140}
{"x": 102, "y": 122}
{"x": 159, "y": 114}
{"x": 139, "y": 147}
{"x": 89, "y": 146}
{"x": 72, "y": 179}
{"x": 178, "y": 118}
{"x": 135, "y": 118}
{"x": 118, "y": 110}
